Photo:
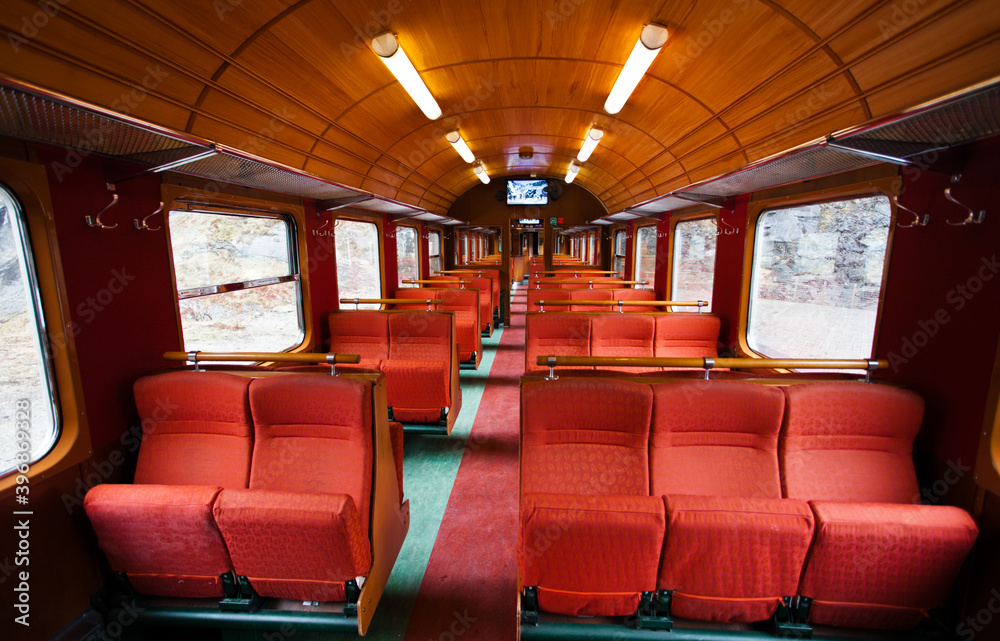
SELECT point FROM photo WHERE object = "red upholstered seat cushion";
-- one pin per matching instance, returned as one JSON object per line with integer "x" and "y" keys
{"x": 591, "y": 294}
{"x": 420, "y": 336}
{"x": 163, "y": 537}
{"x": 881, "y": 566}
{"x": 730, "y": 558}
{"x": 585, "y": 436}
{"x": 716, "y": 438}
{"x": 196, "y": 429}
{"x": 636, "y": 294}
{"x": 590, "y": 555}
{"x": 294, "y": 545}
{"x": 850, "y": 441}
{"x": 365, "y": 333}
{"x": 465, "y": 305}
{"x": 555, "y": 334}
{"x": 417, "y": 390}
{"x": 687, "y": 335}
{"x": 620, "y": 335}
{"x": 314, "y": 434}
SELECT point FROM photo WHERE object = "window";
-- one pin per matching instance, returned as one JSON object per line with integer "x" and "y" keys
{"x": 645, "y": 255}
{"x": 407, "y": 256}
{"x": 592, "y": 251}
{"x": 693, "y": 269}
{"x": 434, "y": 252}
{"x": 29, "y": 421}
{"x": 817, "y": 278}
{"x": 359, "y": 271}
{"x": 465, "y": 249}
{"x": 237, "y": 281}
{"x": 619, "y": 254}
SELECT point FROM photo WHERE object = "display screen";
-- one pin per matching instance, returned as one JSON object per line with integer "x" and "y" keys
{"x": 527, "y": 192}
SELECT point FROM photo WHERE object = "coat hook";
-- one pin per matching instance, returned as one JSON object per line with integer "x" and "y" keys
{"x": 95, "y": 221}
{"x": 918, "y": 220}
{"x": 972, "y": 217}
{"x": 143, "y": 224}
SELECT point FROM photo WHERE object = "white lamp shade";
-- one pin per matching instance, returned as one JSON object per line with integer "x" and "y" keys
{"x": 481, "y": 173}
{"x": 650, "y": 42}
{"x": 589, "y": 144}
{"x": 574, "y": 169}
{"x": 460, "y": 146}
{"x": 389, "y": 52}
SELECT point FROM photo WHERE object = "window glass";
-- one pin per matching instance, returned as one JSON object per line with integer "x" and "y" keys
{"x": 693, "y": 273}
{"x": 237, "y": 282}
{"x": 465, "y": 249}
{"x": 29, "y": 421}
{"x": 434, "y": 252}
{"x": 817, "y": 277}
{"x": 406, "y": 254}
{"x": 359, "y": 272}
{"x": 619, "y": 253}
{"x": 592, "y": 241}
{"x": 645, "y": 255}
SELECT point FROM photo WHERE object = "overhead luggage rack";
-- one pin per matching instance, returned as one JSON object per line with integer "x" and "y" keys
{"x": 956, "y": 119}
{"x": 29, "y": 112}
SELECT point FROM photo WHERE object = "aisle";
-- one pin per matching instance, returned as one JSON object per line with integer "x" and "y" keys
{"x": 469, "y": 586}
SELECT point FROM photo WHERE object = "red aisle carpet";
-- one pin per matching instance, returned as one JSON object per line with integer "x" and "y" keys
{"x": 469, "y": 588}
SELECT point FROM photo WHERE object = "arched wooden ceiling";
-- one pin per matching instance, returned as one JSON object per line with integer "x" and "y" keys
{"x": 296, "y": 82}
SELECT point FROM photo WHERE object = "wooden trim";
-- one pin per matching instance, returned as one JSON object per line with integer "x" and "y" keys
{"x": 29, "y": 184}
{"x": 268, "y": 357}
{"x": 712, "y": 363}
{"x": 878, "y": 186}
{"x": 988, "y": 457}
{"x": 626, "y": 303}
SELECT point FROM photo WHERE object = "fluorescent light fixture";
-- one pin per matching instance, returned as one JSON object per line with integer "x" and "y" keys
{"x": 589, "y": 144}
{"x": 650, "y": 42}
{"x": 574, "y": 169}
{"x": 481, "y": 173}
{"x": 389, "y": 51}
{"x": 460, "y": 146}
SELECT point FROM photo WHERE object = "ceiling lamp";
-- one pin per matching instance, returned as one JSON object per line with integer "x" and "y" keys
{"x": 460, "y": 146}
{"x": 574, "y": 169}
{"x": 481, "y": 173}
{"x": 589, "y": 144}
{"x": 389, "y": 52}
{"x": 650, "y": 42}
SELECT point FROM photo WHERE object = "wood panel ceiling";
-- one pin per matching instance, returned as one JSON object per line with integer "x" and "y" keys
{"x": 296, "y": 82}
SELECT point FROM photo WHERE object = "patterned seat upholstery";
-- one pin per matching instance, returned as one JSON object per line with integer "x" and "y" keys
{"x": 418, "y": 369}
{"x": 734, "y": 547}
{"x": 879, "y": 560}
{"x": 301, "y": 529}
{"x": 197, "y": 440}
{"x": 585, "y": 486}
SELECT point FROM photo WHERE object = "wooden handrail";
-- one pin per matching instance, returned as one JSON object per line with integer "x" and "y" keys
{"x": 270, "y": 357}
{"x": 565, "y": 302}
{"x": 587, "y": 281}
{"x": 576, "y": 271}
{"x": 437, "y": 282}
{"x": 391, "y": 301}
{"x": 712, "y": 363}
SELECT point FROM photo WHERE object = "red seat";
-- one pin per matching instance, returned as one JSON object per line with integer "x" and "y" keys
{"x": 555, "y": 334}
{"x": 535, "y": 295}
{"x": 591, "y": 294}
{"x": 585, "y": 495}
{"x": 623, "y": 335}
{"x": 636, "y": 294}
{"x": 878, "y": 560}
{"x": 464, "y": 303}
{"x": 734, "y": 548}
{"x": 365, "y": 333}
{"x": 197, "y": 439}
{"x": 418, "y": 370}
{"x": 301, "y": 530}
{"x": 687, "y": 335}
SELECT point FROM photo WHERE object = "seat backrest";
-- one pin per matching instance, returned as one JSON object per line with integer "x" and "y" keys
{"x": 629, "y": 294}
{"x": 548, "y": 293}
{"x": 365, "y": 333}
{"x": 469, "y": 281}
{"x": 717, "y": 438}
{"x": 850, "y": 441}
{"x": 585, "y": 436}
{"x": 196, "y": 427}
{"x": 419, "y": 295}
{"x": 591, "y": 294}
{"x": 687, "y": 335}
{"x": 614, "y": 334}
{"x": 313, "y": 434}
{"x": 420, "y": 336}
{"x": 555, "y": 334}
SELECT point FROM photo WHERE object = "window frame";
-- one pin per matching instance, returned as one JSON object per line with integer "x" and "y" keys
{"x": 635, "y": 255}
{"x": 28, "y": 184}
{"x": 295, "y": 263}
{"x": 682, "y": 218}
{"x": 416, "y": 244}
{"x": 381, "y": 250}
{"x": 756, "y": 208}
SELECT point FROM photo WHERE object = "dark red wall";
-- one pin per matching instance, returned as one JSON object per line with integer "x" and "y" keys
{"x": 119, "y": 285}
{"x": 729, "y": 271}
{"x": 321, "y": 266}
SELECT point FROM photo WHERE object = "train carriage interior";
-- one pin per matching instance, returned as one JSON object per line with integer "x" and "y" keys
{"x": 500, "y": 319}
